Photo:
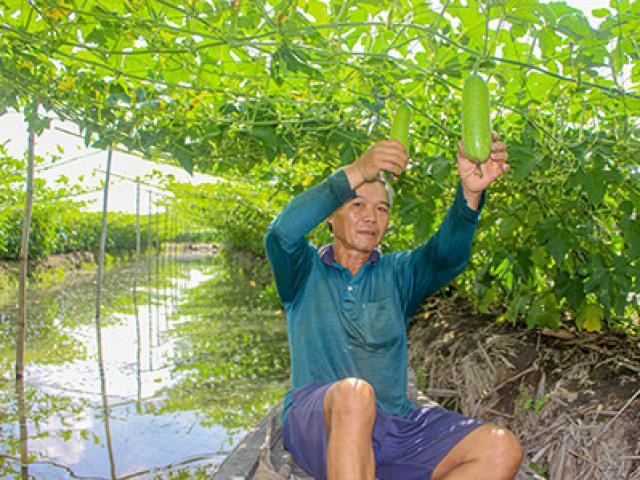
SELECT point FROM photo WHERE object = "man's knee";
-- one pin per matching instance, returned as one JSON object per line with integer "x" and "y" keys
{"x": 505, "y": 450}
{"x": 351, "y": 399}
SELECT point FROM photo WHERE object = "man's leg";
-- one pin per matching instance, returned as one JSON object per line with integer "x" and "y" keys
{"x": 349, "y": 417}
{"x": 489, "y": 452}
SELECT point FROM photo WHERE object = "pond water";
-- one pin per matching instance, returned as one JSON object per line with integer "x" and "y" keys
{"x": 194, "y": 352}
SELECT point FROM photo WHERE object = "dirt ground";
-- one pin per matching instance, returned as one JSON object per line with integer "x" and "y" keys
{"x": 572, "y": 399}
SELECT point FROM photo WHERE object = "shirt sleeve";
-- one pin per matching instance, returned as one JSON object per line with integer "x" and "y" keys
{"x": 289, "y": 253}
{"x": 426, "y": 269}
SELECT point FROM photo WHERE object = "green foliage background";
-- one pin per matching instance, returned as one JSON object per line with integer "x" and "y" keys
{"x": 275, "y": 95}
{"x": 59, "y": 222}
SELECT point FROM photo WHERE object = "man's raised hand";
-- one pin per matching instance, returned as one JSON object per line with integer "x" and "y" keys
{"x": 476, "y": 178}
{"x": 385, "y": 155}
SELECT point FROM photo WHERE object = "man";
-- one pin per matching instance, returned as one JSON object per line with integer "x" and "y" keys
{"x": 347, "y": 415}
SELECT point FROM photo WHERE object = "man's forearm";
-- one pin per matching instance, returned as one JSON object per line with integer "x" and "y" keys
{"x": 354, "y": 176}
{"x": 312, "y": 207}
{"x": 472, "y": 198}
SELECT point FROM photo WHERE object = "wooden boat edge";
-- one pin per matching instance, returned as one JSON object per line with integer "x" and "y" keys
{"x": 243, "y": 459}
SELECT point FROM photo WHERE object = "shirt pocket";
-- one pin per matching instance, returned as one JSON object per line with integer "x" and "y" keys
{"x": 377, "y": 327}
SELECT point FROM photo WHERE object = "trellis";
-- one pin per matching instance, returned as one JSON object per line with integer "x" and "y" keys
{"x": 204, "y": 72}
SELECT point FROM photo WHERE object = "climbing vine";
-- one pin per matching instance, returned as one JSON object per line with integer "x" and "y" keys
{"x": 280, "y": 93}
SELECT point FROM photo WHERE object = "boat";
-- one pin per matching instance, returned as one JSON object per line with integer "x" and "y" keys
{"x": 260, "y": 455}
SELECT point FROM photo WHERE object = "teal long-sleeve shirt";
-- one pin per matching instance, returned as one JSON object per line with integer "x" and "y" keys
{"x": 342, "y": 325}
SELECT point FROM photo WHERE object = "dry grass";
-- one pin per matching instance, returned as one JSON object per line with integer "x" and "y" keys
{"x": 574, "y": 403}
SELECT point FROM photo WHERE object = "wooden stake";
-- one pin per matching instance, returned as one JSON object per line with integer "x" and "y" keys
{"x": 149, "y": 283}
{"x": 100, "y": 274}
{"x": 135, "y": 302}
{"x": 22, "y": 304}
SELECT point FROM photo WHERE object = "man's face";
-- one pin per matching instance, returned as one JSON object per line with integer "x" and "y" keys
{"x": 361, "y": 222}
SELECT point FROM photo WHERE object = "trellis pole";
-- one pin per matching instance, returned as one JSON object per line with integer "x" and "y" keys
{"x": 179, "y": 250}
{"x": 149, "y": 268}
{"x": 174, "y": 266}
{"x": 178, "y": 246}
{"x": 22, "y": 419}
{"x": 135, "y": 300}
{"x": 22, "y": 302}
{"x": 165, "y": 266}
{"x": 100, "y": 274}
{"x": 157, "y": 282}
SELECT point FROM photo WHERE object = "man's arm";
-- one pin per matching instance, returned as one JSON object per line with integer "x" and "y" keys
{"x": 288, "y": 251}
{"x": 429, "y": 267}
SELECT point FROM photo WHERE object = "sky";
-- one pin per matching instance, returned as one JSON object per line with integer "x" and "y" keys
{"x": 88, "y": 167}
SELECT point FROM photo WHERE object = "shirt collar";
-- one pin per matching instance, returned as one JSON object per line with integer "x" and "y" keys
{"x": 327, "y": 257}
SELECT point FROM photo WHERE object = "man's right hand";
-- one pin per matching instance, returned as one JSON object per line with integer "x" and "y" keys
{"x": 387, "y": 155}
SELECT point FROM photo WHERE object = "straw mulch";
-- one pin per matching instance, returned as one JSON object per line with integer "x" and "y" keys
{"x": 573, "y": 400}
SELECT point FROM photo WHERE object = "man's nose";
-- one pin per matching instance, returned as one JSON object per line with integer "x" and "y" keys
{"x": 370, "y": 215}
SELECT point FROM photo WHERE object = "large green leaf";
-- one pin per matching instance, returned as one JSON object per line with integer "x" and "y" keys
{"x": 590, "y": 317}
{"x": 594, "y": 184}
{"x": 523, "y": 161}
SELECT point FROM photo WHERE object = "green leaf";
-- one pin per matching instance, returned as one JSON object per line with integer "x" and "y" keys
{"x": 549, "y": 40}
{"x": 590, "y": 317}
{"x": 575, "y": 25}
{"x": 552, "y": 235}
{"x": 616, "y": 61}
{"x": 509, "y": 226}
{"x": 440, "y": 168}
{"x": 593, "y": 183}
{"x": 558, "y": 246}
{"x": 269, "y": 138}
{"x": 600, "y": 12}
{"x": 522, "y": 263}
{"x": 489, "y": 297}
{"x": 185, "y": 160}
{"x": 537, "y": 317}
{"x": 522, "y": 161}
{"x": 423, "y": 226}
{"x": 631, "y": 233}
{"x": 570, "y": 288}
{"x": 318, "y": 10}
{"x": 347, "y": 154}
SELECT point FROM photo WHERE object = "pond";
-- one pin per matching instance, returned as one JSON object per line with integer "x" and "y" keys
{"x": 194, "y": 351}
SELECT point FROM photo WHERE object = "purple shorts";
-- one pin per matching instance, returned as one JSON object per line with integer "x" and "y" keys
{"x": 407, "y": 448}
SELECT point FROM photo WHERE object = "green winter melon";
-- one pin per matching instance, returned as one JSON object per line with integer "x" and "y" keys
{"x": 400, "y": 127}
{"x": 476, "y": 122}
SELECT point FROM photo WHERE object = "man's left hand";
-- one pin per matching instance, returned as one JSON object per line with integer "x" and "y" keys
{"x": 476, "y": 178}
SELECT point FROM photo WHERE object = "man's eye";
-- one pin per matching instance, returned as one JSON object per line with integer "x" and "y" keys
{"x": 383, "y": 209}
{"x": 357, "y": 204}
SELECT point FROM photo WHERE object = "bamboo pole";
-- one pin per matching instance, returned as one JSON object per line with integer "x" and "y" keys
{"x": 164, "y": 271}
{"x": 180, "y": 265}
{"x": 22, "y": 419}
{"x": 174, "y": 264}
{"x": 100, "y": 274}
{"x": 22, "y": 303}
{"x": 178, "y": 251}
{"x": 157, "y": 282}
{"x": 176, "y": 285}
{"x": 135, "y": 301}
{"x": 149, "y": 283}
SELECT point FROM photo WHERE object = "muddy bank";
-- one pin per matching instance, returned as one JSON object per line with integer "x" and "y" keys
{"x": 44, "y": 273}
{"x": 54, "y": 271}
{"x": 574, "y": 402}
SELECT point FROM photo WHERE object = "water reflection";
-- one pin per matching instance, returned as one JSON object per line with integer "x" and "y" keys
{"x": 22, "y": 425}
{"x": 191, "y": 357}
